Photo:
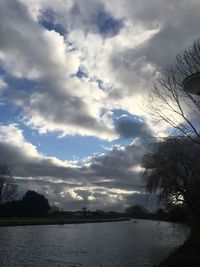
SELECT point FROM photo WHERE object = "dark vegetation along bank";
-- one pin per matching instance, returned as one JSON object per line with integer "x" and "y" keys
{"x": 171, "y": 213}
{"x": 34, "y": 208}
{"x": 172, "y": 167}
{"x": 188, "y": 255}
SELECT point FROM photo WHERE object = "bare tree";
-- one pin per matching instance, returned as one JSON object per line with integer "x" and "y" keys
{"x": 8, "y": 186}
{"x": 172, "y": 172}
{"x": 170, "y": 103}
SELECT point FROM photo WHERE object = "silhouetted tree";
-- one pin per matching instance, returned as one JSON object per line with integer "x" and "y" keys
{"x": 8, "y": 186}
{"x": 137, "y": 211}
{"x": 34, "y": 204}
{"x": 172, "y": 172}
{"x": 161, "y": 214}
{"x": 11, "y": 209}
{"x": 170, "y": 103}
{"x": 179, "y": 213}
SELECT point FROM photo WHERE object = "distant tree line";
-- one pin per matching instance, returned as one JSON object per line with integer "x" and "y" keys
{"x": 172, "y": 213}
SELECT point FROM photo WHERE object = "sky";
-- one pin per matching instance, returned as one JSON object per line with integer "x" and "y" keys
{"x": 75, "y": 76}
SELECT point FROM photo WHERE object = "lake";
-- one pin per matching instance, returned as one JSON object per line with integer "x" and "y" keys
{"x": 115, "y": 244}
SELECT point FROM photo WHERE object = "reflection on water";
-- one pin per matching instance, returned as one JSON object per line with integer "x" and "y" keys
{"x": 118, "y": 244}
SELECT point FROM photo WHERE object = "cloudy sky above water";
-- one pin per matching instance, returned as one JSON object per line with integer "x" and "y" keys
{"x": 74, "y": 79}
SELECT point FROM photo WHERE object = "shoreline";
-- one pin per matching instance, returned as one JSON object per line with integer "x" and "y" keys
{"x": 187, "y": 255}
{"x": 47, "y": 221}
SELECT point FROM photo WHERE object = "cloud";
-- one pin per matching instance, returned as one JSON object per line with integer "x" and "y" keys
{"x": 118, "y": 165}
{"x": 74, "y": 36}
{"x": 24, "y": 158}
{"x": 3, "y": 84}
{"x": 58, "y": 102}
{"x": 92, "y": 16}
{"x": 48, "y": 20}
{"x": 171, "y": 28}
{"x": 132, "y": 127}
{"x": 113, "y": 176}
{"x": 75, "y": 63}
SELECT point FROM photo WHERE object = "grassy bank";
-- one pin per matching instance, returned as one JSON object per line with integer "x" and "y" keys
{"x": 188, "y": 255}
{"x": 47, "y": 221}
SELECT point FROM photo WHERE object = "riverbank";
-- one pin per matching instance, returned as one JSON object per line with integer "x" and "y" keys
{"x": 41, "y": 221}
{"x": 188, "y": 255}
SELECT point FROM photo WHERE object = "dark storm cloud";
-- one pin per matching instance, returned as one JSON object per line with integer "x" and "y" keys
{"x": 176, "y": 26}
{"x": 118, "y": 168}
{"x": 131, "y": 127}
{"x": 24, "y": 165}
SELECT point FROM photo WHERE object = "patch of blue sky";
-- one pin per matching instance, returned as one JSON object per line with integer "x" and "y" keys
{"x": 16, "y": 84}
{"x": 130, "y": 126}
{"x": 8, "y": 114}
{"x": 82, "y": 72}
{"x": 49, "y": 21}
{"x": 20, "y": 84}
{"x": 67, "y": 148}
{"x": 103, "y": 86}
{"x": 2, "y": 71}
{"x": 70, "y": 46}
{"x": 107, "y": 25}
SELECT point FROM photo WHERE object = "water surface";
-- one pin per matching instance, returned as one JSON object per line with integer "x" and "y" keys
{"x": 116, "y": 244}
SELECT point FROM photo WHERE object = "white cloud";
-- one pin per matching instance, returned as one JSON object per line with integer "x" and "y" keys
{"x": 109, "y": 176}
{"x": 22, "y": 155}
{"x": 11, "y": 134}
{"x": 72, "y": 194}
{"x": 59, "y": 102}
{"x": 120, "y": 67}
{"x": 126, "y": 62}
